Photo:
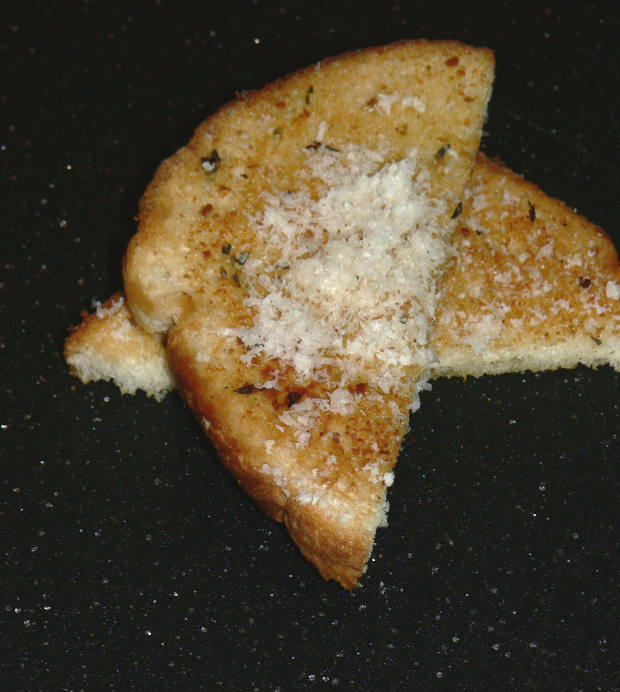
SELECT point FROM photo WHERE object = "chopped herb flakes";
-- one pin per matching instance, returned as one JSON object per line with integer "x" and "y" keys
{"x": 226, "y": 249}
{"x": 532, "y": 211}
{"x": 309, "y": 93}
{"x": 292, "y": 398}
{"x": 317, "y": 145}
{"x": 440, "y": 153}
{"x": 457, "y": 211}
{"x": 248, "y": 389}
{"x": 242, "y": 257}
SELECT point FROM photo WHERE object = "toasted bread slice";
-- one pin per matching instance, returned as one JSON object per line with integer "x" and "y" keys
{"x": 532, "y": 285}
{"x": 495, "y": 241}
{"x": 109, "y": 345}
{"x": 291, "y": 254}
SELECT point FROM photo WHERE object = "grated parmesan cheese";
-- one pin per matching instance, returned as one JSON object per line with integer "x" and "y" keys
{"x": 612, "y": 290}
{"x": 384, "y": 102}
{"x": 359, "y": 286}
{"x": 102, "y": 311}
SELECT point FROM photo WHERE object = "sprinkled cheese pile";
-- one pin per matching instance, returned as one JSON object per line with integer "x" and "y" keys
{"x": 353, "y": 281}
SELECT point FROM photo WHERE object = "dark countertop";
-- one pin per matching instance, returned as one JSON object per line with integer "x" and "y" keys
{"x": 130, "y": 560}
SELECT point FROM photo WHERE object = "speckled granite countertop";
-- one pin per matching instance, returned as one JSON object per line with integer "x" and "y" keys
{"x": 129, "y": 558}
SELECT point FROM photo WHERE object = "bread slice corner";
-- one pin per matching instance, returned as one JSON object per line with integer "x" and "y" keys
{"x": 532, "y": 284}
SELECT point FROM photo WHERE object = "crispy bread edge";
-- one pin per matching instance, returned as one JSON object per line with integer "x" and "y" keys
{"x": 319, "y": 541}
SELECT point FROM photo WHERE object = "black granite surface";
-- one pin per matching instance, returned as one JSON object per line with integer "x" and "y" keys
{"x": 130, "y": 560}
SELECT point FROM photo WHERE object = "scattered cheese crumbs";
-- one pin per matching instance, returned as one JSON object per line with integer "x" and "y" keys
{"x": 373, "y": 471}
{"x": 111, "y": 310}
{"x": 545, "y": 252}
{"x": 612, "y": 290}
{"x": 384, "y": 102}
{"x": 303, "y": 437}
{"x": 388, "y": 478}
{"x": 269, "y": 445}
{"x": 123, "y": 332}
{"x": 420, "y": 105}
{"x": 483, "y": 330}
{"x": 321, "y": 131}
{"x": 573, "y": 261}
{"x": 209, "y": 166}
{"x": 278, "y": 477}
{"x": 341, "y": 401}
{"x": 360, "y": 278}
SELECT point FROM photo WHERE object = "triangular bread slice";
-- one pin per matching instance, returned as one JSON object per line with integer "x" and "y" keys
{"x": 291, "y": 254}
{"x": 532, "y": 284}
{"x": 497, "y": 246}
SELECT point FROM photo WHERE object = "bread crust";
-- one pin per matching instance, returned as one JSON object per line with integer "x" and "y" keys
{"x": 242, "y": 426}
{"x": 319, "y": 539}
{"x": 423, "y": 96}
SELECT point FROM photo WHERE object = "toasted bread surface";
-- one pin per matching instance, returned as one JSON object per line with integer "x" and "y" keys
{"x": 108, "y": 345}
{"x": 291, "y": 253}
{"x": 485, "y": 249}
{"x": 532, "y": 285}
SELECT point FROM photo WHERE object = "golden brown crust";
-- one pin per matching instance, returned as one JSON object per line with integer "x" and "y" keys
{"x": 240, "y": 424}
{"x": 533, "y": 285}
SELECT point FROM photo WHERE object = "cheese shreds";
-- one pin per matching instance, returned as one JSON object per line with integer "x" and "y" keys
{"x": 353, "y": 279}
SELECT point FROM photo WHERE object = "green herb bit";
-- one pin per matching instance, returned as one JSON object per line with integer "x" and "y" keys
{"x": 226, "y": 249}
{"x": 317, "y": 145}
{"x": 242, "y": 258}
{"x": 308, "y": 94}
{"x": 248, "y": 389}
{"x": 457, "y": 211}
{"x": 532, "y": 211}
{"x": 440, "y": 153}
